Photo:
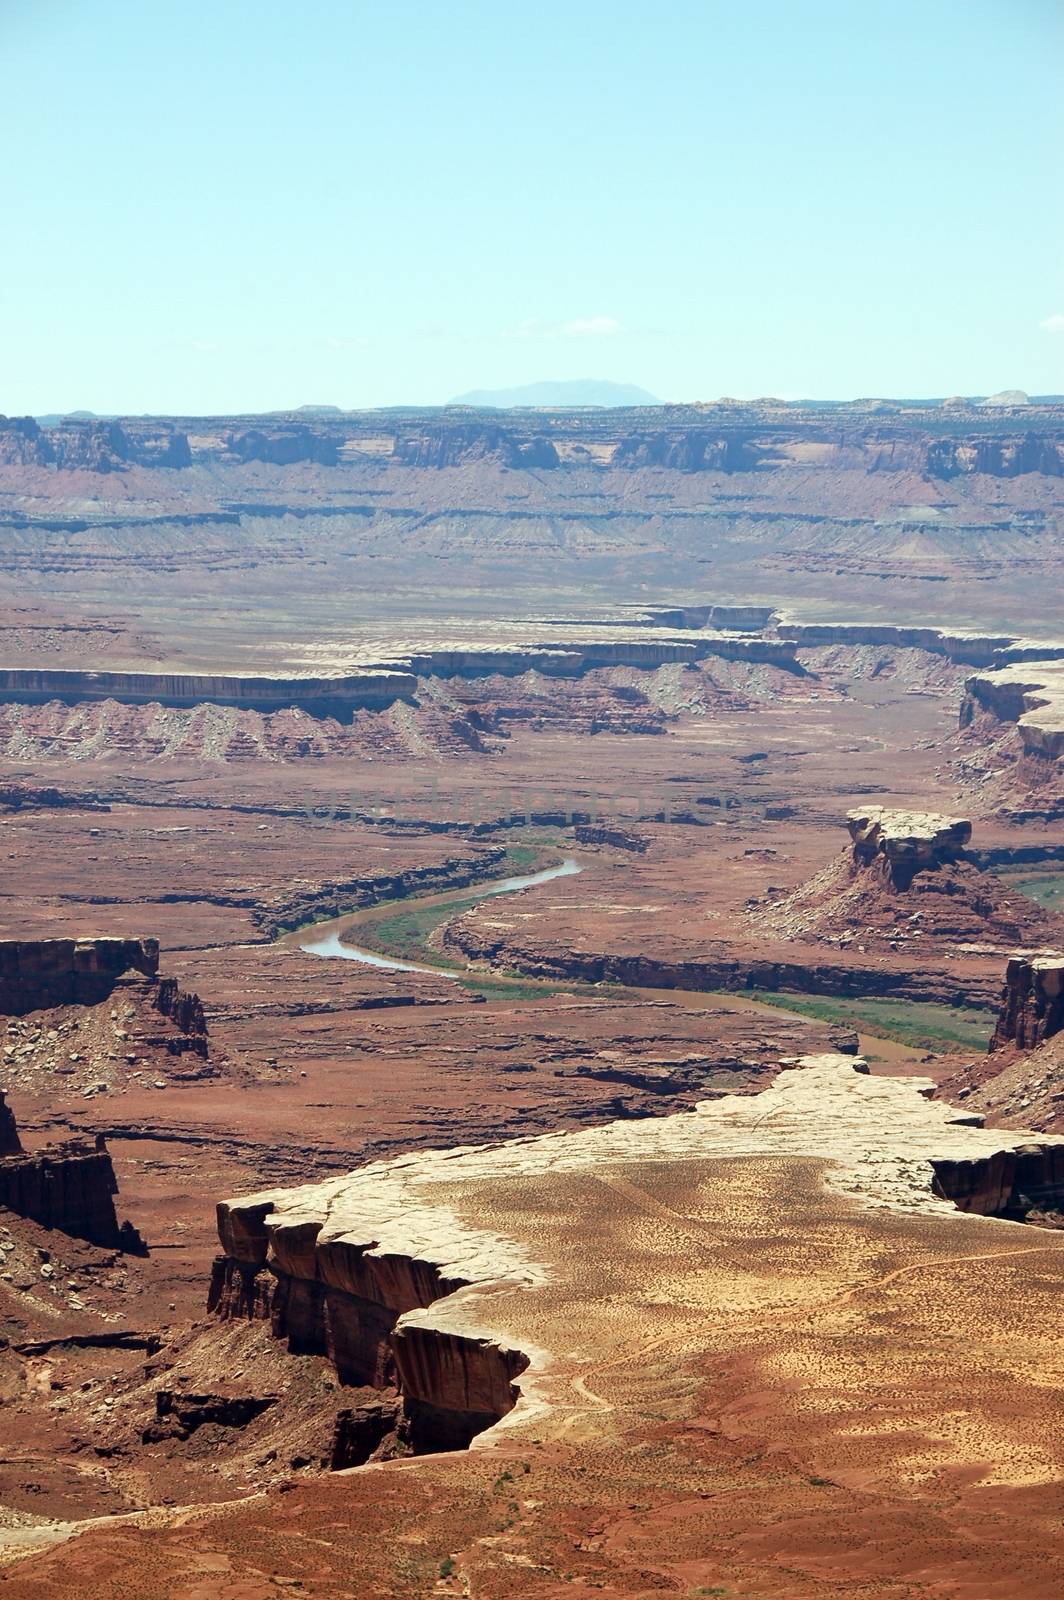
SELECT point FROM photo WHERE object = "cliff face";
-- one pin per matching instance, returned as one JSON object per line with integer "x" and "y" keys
{"x": 350, "y": 1286}
{"x": 1014, "y": 1184}
{"x": 36, "y": 974}
{"x": 1032, "y": 1003}
{"x": 1031, "y": 695}
{"x": 96, "y": 446}
{"x": 998, "y": 458}
{"x": 69, "y": 1186}
{"x": 284, "y": 446}
{"x": 42, "y": 974}
{"x": 382, "y": 683}
{"x": 390, "y": 1271}
{"x": 10, "y": 1143}
{"x": 725, "y": 438}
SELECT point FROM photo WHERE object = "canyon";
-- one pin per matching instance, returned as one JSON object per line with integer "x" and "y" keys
{"x": 686, "y": 1220}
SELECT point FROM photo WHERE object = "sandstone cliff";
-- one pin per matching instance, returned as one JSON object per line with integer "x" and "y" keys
{"x": 69, "y": 1186}
{"x": 730, "y": 438}
{"x": 36, "y": 974}
{"x": 1032, "y": 1003}
{"x": 906, "y": 889}
{"x": 899, "y": 844}
{"x": 1031, "y": 695}
{"x": 44, "y": 975}
{"x": 386, "y": 1271}
{"x": 344, "y": 1282}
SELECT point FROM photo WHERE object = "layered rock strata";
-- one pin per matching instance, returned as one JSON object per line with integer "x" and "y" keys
{"x": 379, "y": 1270}
{"x": 908, "y": 889}
{"x": 1032, "y": 1003}
{"x": 331, "y": 1289}
{"x": 36, "y": 974}
{"x": 902, "y": 843}
{"x": 40, "y": 974}
{"x": 726, "y": 437}
{"x": 1029, "y": 695}
{"x": 378, "y": 683}
{"x": 69, "y": 1186}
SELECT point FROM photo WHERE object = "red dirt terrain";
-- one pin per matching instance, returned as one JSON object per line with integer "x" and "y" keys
{"x": 779, "y": 689}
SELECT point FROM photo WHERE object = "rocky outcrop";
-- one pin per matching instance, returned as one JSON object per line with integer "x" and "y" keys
{"x": 998, "y": 458}
{"x": 1031, "y": 695}
{"x": 363, "y": 1433}
{"x": 336, "y": 696}
{"x": 1032, "y": 1003}
{"x": 456, "y": 444}
{"x": 967, "y": 649}
{"x": 284, "y": 446}
{"x": 1017, "y": 1184}
{"x": 179, "y": 1413}
{"x": 36, "y": 974}
{"x": 615, "y": 838}
{"x": 29, "y": 797}
{"x": 95, "y": 446}
{"x": 382, "y": 683}
{"x": 70, "y": 1187}
{"x": 42, "y": 974}
{"x": 185, "y": 1011}
{"x": 899, "y": 844}
{"x": 10, "y": 1143}
{"x": 23, "y": 443}
{"x": 692, "y": 450}
{"x": 347, "y": 1283}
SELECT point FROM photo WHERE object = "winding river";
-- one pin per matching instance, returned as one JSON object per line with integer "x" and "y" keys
{"x": 328, "y": 939}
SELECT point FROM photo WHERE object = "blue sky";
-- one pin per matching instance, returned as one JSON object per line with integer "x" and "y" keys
{"x": 251, "y": 204}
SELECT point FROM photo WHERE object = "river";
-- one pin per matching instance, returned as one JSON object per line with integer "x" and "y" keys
{"x": 329, "y": 940}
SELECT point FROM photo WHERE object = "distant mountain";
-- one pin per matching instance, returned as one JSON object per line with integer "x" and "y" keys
{"x": 55, "y": 417}
{"x": 574, "y": 392}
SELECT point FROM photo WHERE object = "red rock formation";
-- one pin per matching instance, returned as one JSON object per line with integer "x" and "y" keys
{"x": 36, "y": 974}
{"x": 1008, "y": 1183}
{"x": 899, "y": 844}
{"x": 71, "y": 1187}
{"x": 1032, "y": 1003}
{"x": 726, "y": 438}
{"x": 42, "y": 974}
{"x": 343, "y": 1299}
{"x": 284, "y": 446}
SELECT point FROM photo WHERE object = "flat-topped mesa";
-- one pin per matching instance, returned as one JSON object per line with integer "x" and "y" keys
{"x": 899, "y": 844}
{"x": 340, "y": 695}
{"x": 726, "y": 437}
{"x": 1032, "y": 1003}
{"x": 1029, "y": 694}
{"x": 378, "y": 683}
{"x": 389, "y": 1273}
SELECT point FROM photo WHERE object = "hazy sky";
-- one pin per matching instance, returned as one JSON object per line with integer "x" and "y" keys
{"x": 251, "y": 204}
